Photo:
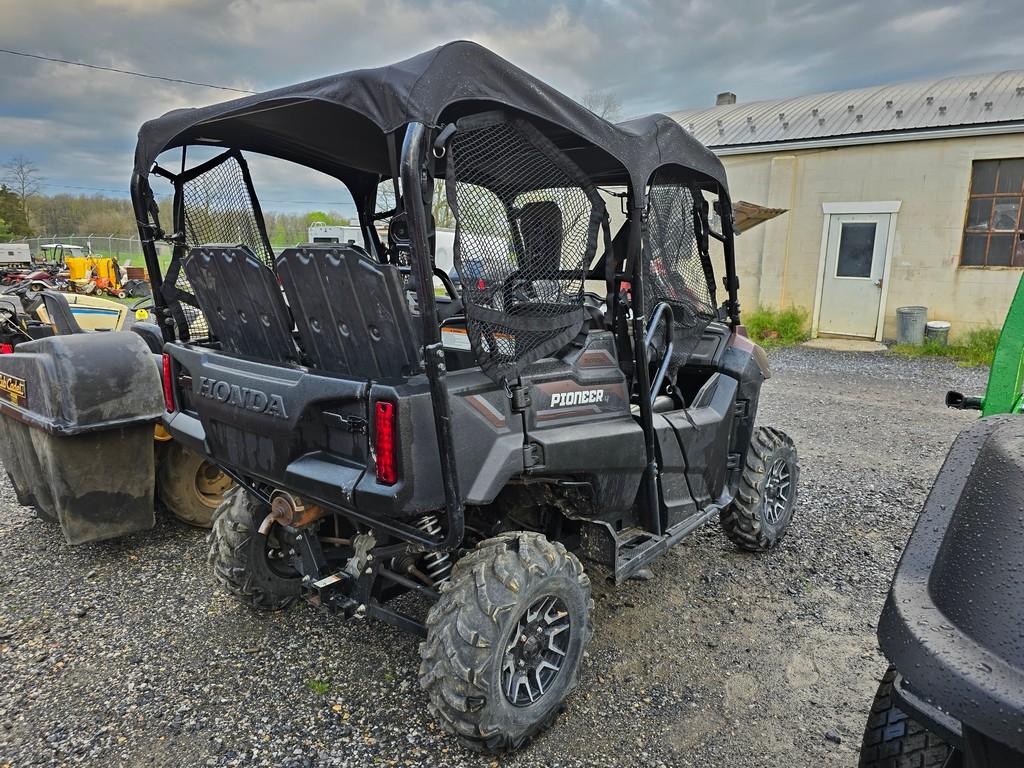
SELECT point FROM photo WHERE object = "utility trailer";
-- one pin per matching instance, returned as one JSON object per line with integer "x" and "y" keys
{"x": 469, "y": 448}
{"x": 80, "y": 406}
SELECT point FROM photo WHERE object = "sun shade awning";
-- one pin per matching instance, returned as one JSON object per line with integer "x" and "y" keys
{"x": 749, "y": 215}
{"x": 338, "y": 124}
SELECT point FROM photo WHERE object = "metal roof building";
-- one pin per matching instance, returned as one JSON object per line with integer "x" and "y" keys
{"x": 893, "y": 196}
{"x": 953, "y": 106}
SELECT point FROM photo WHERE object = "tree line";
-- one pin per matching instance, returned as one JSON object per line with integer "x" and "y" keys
{"x": 25, "y": 211}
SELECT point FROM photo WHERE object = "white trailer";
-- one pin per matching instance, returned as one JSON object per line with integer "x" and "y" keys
{"x": 444, "y": 248}
{"x": 15, "y": 255}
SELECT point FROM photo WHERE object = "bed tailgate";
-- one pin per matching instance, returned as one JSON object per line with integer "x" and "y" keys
{"x": 286, "y": 426}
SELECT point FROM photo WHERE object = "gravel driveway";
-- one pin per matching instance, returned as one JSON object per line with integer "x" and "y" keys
{"x": 125, "y": 653}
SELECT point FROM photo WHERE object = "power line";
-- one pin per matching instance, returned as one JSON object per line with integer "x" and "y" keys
{"x": 122, "y": 71}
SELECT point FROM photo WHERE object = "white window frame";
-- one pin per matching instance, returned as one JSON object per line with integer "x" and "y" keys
{"x": 890, "y": 207}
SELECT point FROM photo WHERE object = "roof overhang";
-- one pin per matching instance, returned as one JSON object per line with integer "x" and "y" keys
{"x": 888, "y": 137}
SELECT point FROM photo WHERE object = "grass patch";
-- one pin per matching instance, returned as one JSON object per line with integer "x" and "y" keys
{"x": 777, "y": 327}
{"x": 976, "y": 348}
{"x": 320, "y": 687}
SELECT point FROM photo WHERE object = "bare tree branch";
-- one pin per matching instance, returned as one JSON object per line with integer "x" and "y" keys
{"x": 22, "y": 176}
{"x": 603, "y": 104}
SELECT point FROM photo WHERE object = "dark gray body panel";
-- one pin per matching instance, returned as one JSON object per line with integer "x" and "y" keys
{"x": 310, "y": 446}
{"x": 953, "y": 624}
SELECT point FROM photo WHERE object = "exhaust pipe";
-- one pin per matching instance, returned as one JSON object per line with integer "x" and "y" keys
{"x": 289, "y": 510}
{"x": 963, "y": 402}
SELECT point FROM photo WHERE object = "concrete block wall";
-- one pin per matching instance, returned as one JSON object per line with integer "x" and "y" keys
{"x": 778, "y": 260}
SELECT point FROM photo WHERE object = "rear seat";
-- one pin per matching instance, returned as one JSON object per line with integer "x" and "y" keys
{"x": 242, "y": 302}
{"x": 350, "y": 311}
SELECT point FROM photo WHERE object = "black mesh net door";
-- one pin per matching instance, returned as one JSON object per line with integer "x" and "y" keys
{"x": 527, "y": 224}
{"x": 677, "y": 269}
{"x": 214, "y": 203}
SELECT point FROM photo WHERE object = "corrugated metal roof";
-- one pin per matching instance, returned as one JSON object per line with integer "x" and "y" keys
{"x": 953, "y": 102}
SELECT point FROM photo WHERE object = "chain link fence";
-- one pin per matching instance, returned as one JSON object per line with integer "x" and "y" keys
{"x": 127, "y": 250}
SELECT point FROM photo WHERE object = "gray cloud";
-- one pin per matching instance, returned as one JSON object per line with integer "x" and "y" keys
{"x": 79, "y": 125}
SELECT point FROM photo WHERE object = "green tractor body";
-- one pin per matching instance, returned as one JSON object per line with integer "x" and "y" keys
{"x": 1005, "y": 390}
{"x": 1003, "y": 394}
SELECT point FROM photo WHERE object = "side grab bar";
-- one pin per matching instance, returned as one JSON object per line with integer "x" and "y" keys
{"x": 662, "y": 312}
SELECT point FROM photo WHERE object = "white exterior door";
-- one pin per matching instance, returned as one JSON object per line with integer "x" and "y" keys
{"x": 851, "y": 289}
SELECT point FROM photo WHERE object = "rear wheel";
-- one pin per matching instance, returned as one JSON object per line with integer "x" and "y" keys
{"x": 760, "y": 514}
{"x": 24, "y": 498}
{"x": 505, "y": 640}
{"x": 893, "y": 740}
{"x": 250, "y": 565}
{"x": 190, "y": 486}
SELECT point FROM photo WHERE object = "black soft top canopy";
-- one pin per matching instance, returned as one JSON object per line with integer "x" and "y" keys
{"x": 339, "y": 124}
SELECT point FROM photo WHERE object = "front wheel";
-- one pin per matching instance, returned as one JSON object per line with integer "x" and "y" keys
{"x": 892, "y": 739}
{"x": 505, "y": 640}
{"x": 760, "y": 514}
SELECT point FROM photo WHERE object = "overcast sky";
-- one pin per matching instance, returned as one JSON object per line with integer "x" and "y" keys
{"x": 79, "y": 125}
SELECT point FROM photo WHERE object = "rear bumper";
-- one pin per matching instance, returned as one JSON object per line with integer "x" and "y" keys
{"x": 953, "y": 623}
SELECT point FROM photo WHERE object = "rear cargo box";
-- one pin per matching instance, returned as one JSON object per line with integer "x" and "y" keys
{"x": 76, "y": 431}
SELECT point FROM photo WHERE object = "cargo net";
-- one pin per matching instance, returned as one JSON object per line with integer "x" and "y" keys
{"x": 675, "y": 270}
{"x": 217, "y": 205}
{"x": 527, "y": 222}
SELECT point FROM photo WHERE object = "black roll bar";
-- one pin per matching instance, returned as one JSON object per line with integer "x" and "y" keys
{"x": 141, "y": 198}
{"x": 637, "y": 230}
{"x": 731, "y": 280}
{"x": 416, "y": 203}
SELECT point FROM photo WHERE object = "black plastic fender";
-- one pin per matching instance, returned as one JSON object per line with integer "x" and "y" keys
{"x": 953, "y": 623}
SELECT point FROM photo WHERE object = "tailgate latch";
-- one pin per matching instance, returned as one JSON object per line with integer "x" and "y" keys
{"x": 356, "y": 424}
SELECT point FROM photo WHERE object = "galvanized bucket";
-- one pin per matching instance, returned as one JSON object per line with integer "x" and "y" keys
{"x": 937, "y": 332}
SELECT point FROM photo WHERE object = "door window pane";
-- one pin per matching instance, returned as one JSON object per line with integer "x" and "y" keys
{"x": 983, "y": 180}
{"x": 979, "y": 214}
{"x": 1011, "y": 176}
{"x": 1000, "y": 250}
{"x": 856, "y": 248}
{"x": 1005, "y": 213}
{"x": 973, "y": 254}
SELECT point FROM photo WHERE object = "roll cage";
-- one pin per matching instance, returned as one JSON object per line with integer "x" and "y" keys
{"x": 408, "y": 138}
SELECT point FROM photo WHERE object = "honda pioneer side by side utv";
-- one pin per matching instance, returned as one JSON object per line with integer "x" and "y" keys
{"x": 392, "y": 434}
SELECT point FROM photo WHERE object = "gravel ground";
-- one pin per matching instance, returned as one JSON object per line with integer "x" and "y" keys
{"x": 125, "y": 653}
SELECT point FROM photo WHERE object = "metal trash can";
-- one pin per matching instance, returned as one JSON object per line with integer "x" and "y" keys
{"x": 910, "y": 323}
{"x": 937, "y": 332}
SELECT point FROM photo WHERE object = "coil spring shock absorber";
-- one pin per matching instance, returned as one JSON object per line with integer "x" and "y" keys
{"x": 437, "y": 565}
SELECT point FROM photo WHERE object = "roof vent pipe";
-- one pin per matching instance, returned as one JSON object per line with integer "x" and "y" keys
{"x": 726, "y": 97}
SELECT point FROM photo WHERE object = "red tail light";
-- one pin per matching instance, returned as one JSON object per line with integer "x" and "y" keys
{"x": 168, "y": 376}
{"x": 6, "y": 349}
{"x": 384, "y": 442}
